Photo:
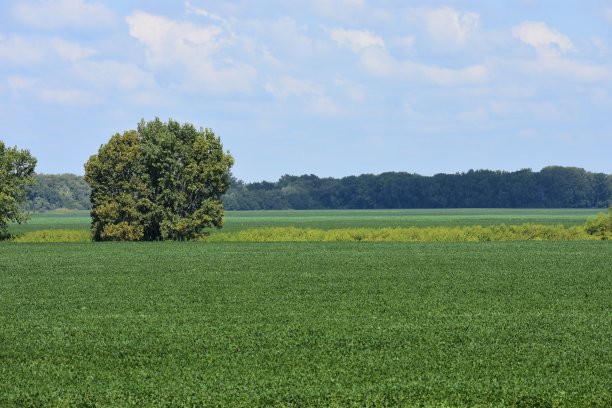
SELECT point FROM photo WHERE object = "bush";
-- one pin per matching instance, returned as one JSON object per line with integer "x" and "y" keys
{"x": 600, "y": 226}
{"x": 525, "y": 232}
{"x": 54, "y": 235}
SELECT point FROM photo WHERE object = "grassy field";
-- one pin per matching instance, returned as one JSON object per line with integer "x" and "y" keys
{"x": 309, "y": 323}
{"x": 235, "y": 324}
{"x": 68, "y": 220}
{"x": 333, "y": 219}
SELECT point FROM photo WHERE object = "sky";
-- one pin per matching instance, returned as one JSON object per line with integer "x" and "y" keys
{"x": 325, "y": 87}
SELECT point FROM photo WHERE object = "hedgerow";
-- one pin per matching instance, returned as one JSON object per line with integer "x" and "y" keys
{"x": 526, "y": 232}
{"x": 599, "y": 228}
{"x": 54, "y": 235}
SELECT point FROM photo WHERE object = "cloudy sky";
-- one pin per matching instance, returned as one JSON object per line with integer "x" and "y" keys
{"x": 325, "y": 87}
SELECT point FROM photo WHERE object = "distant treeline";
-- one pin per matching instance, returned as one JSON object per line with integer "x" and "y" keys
{"x": 53, "y": 191}
{"x": 552, "y": 187}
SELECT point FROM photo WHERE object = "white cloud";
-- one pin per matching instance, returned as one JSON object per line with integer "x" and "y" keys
{"x": 383, "y": 65}
{"x": 198, "y": 11}
{"x": 407, "y": 42}
{"x": 574, "y": 71}
{"x": 600, "y": 45}
{"x": 547, "y": 41}
{"x": 36, "y": 87}
{"x": 71, "y": 51}
{"x": 377, "y": 61}
{"x": 287, "y": 86}
{"x": 18, "y": 50}
{"x": 168, "y": 40}
{"x": 338, "y": 8}
{"x": 19, "y": 83}
{"x": 51, "y": 14}
{"x": 313, "y": 94}
{"x": 447, "y": 26}
{"x": 442, "y": 76}
{"x": 450, "y": 77}
{"x": 353, "y": 91}
{"x": 356, "y": 40}
{"x": 196, "y": 49}
{"x": 115, "y": 74}
{"x": 608, "y": 15}
{"x": 552, "y": 47}
{"x": 370, "y": 47}
{"x": 324, "y": 105}
{"x": 474, "y": 116}
{"x": 68, "y": 97}
{"x": 531, "y": 107}
{"x": 289, "y": 38}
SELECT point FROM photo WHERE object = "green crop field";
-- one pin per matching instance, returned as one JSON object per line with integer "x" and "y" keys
{"x": 331, "y": 219}
{"x": 306, "y": 324}
{"x": 68, "y": 220}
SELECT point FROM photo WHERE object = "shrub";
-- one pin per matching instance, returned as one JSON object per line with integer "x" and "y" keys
{"x": 600, "y": 226}
{"x": 54, "y": 235}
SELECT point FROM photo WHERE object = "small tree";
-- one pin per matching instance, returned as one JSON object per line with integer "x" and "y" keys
{"x": 16, "y": 174}
{"x": 162, "y": 181}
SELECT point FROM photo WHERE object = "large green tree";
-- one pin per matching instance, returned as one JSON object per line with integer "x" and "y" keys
{"x": 161, "y": 181}
{"x": 16, "y": 175}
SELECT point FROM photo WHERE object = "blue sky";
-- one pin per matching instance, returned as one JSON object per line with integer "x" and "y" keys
{"x": 325, "y": 87}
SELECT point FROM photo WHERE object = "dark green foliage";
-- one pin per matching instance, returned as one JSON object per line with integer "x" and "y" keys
{"x": 55, "y": 191}
{"x": 552, "y": 187}
{"x": 309, "y": 324}
{"x": 16, "y": 171}
{"x": 163, "y": 181}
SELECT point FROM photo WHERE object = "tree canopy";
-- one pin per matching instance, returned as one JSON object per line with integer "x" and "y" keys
{"x": 161, "y": 181}
{"x": 16, "y": 170}
{"x": 53, "y": 191}
{"x": 552, "y": 187}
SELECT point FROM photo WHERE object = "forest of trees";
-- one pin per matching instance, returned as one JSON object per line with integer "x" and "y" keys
{"x": 53, "y": 191}
{"x": 552, "y": 187}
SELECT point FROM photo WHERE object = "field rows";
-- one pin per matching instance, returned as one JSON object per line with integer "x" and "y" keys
{"x": 296, "y": 324}
{"x": 336, "y": 219}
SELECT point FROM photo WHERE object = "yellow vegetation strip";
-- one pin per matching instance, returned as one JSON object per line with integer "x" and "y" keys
{"x": 54, "y": 235}
{"x": 524, "y": 232}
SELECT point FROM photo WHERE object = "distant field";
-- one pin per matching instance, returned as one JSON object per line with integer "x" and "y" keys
{"x": 332, "y": 219}
{"x": 235, "y": 324}
{"x": 69, "y": 220}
